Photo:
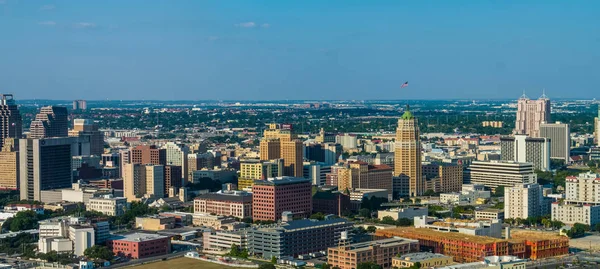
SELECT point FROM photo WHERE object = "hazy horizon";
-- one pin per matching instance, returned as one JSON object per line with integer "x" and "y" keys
{"x": 310, "y": 50}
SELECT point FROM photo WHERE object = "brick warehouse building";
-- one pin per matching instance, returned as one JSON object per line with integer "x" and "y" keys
{"x": 468, "y": 248}
{"x": 139, "y": 245}
{"x": 273, "y": 196}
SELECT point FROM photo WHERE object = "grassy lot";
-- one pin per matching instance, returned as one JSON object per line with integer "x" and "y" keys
{"x": 181, "y": 263}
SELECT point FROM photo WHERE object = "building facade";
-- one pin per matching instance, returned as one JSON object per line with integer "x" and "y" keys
{"x": 11, "y": 123}
{"x": 492, "y": 174}
{"x": 272, "y": 197}
{"x": 522, "y": 148}
{"x": 361, "y": 175}
{"x": 251, "y": 169}
{"x": 107, "y": 205}
{"x": 559, "y": 135}
{"x": 531, "y": 114}
{"x": 380, "y": 252}
{"x": 407, "y": 155}
{"x": 450, "y": 175}
{"x": 523, "y": 201}
{"x": 9, "y": 165}
{"x": 88, "y": 130}
{"x": 139, "y": 245}
{"x": 52, "y": 121}
{"x": 582, "y": 200}
{"x": 237, "y": 204}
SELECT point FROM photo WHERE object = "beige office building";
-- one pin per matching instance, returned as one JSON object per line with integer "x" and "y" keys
{"x": 531, "y": 114}
{"x": 9, "y": 162}
{"x": 88, "y": 129}
{"x": 143, "y": 180}
{"x": 407, "y": 155}
{"x": 279, "y": 142}
{"x": 523, "y": 201}
{"x": 107, "y": 205}
{"x": 361, "y": 175}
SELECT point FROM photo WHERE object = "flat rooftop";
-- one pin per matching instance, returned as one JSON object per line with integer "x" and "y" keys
{"x": 411, "y": 232}
{"x": 137, "y": 237}
{"x": 382, "y": 243}
{"x": 535, "y": 235}
{"x": 281, "y": 181}
{"x": 420, "y": 256}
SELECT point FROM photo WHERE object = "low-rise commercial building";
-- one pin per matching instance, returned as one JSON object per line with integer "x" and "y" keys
{"x": 108, "y": 205}
{"x": 489, "y": 214}
{"x": 155, "y": 223}
{"x": 492, "y": 228}
{"x": 139, "y": 245}
{"x": 425, "y": 259}
{"x": 227, "y": 203}
{"x": 403, "y": 213}
{"x": 221, "y": 241}
{"x": 380, "y": 252}
{"x": 296, "y": 237}
{"x": 216, "y": 222}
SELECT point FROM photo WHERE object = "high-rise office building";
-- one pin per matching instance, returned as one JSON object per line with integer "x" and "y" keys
{"x": 172, "y": 177}
{"x": 522, "y": 148}
{"x": 279, "y": 142}
{"x": 177, "y": 155}
{"x": 155, "y": 181}
{"x": 45, "y": 164}
{"x": 52, "y": 121}
{"x": 141, "y": 180}
{"x": 79, "y": 105}
{"x": 11, "y": 123}
{"x": 407, "y": 155}
{"x": 88, "y": 131}
{"x": 493, "y": 174}
{"x": 361, "y": 175}
{"x": 9, "y": 163}
{"x": 327, "y": 153}
{"x": 523, "y": 201}
{"x": 560, "y": 139}
{"x": 530, "y": 114}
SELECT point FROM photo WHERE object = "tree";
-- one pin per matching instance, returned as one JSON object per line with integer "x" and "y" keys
{"x": 318, "y": 216}
{"x": 499, "y": 191}
{"x": 371, "y": 229}
{"x": 98, "y": 252}
{"x": 274, "y": 260}
{"x": 235, "y": 250}
{"x": 430, "y": 193}
{"x": 417, "y": 265}
{"x": 388, "y": 220}
{"x": 364, "y": 212}
{"x": 368, "y": 265}
{"x": 326, "y": 266}
{"x": 405, "y": 222}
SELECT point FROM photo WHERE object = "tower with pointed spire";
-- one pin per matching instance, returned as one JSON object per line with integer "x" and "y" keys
{"x": 532, "y": 113}
{"x": 407, "y": 155}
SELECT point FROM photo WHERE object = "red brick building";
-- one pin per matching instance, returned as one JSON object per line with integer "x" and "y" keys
{"x": 274, "y": 196}
{"x": 149, "y": 155}
{"x": 328, "y": 202}
{"x": 139, "y": 245}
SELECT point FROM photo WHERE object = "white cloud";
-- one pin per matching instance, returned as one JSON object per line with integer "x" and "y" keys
{"x": 249, "y": 24}
{"x": 265, "y": 25}
{"x": 84, "y": 25}
{"x": 47, "y": 7}
{"x": 47, "y": 23}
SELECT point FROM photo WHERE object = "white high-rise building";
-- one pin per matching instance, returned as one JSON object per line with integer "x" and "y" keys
{"x": 523, "y": 201}
{"x": 582, "y": 201}
{"x": 560, "y": 139}
{"x": 83, "y": 237}
{"x": 348, "y": 141}
{"x": 522, "y": 148}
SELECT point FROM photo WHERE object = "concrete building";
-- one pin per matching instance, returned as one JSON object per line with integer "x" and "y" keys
{"x": 597, "y": 128}
{"x": 296, "y": 237}
{"x": 316, "y": 172}
{"x": 45, "y": 164}
{"x": 80, "y": 105}
{"x": 107, "y": 205}
{"x": 489, "y": 214}
{"x": 173, "y": 178}
{"x": 228, "y": 203}
{"x": 281, "y": 137}
{"x": 199, "y": 161}
{"x": 559, "y": 135}
{"x": 492, "y": 228}
{"x": 582, "y": 201}
{"x": 380, "y": 252}
{"x": 274, "y": 196}
{"x": 139, "y": 245}
{"x": 223, "y": 175}
{"x": 407, "y": 155}
{"x": 425, "y": 259}
{"x": 469, "y": 195}
{"x": 251, "y": 169}
{"x": 327, "y": 153}
{"x": 177, "y": 155}
{"x": 9, "y": 163}
{"x": 216, "y": 222}
{"x": 221, "y": 241}
{"x": 531, "y": 114}
{"x": 83, "y": 237}
{"x": 143, "y": 180}
{"x": 492, "y": 174}
{"x": 450, "y": 176}
{"x": 361, "y": 175}
{"x": 523, "y": 201}
{"x": 87, "y": 129}
{"x": 348, "y": 141}
{"x": 11, "y": 123}
{"x": 331, "y": 202}
{"x": 525, "y": 149}
{"x": 402, "y": 213}
{"x": 52, "y": 121}
{"x": 145, "y": 154}
{"x": 58, "y": 244}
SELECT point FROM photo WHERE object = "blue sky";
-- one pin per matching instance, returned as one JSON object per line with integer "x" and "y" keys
{"x": 195, "y": 50}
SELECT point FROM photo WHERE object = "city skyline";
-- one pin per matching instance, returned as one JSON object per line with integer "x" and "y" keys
{"x": 290, "y": 51}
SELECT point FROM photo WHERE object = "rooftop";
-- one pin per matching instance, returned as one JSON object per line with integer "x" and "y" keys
{"x": 382, "y": 243}
{"x": 420, "y": 256}
{"x": 411, "y": 232}
{"x": 534, "y": 235}
{"x": 281, "y": 181}
{"x": 247, "y": 197}
{"x": 137, "y": 237}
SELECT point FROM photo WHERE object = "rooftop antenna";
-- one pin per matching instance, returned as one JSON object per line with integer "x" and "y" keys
{"x": 544, "y": 94}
